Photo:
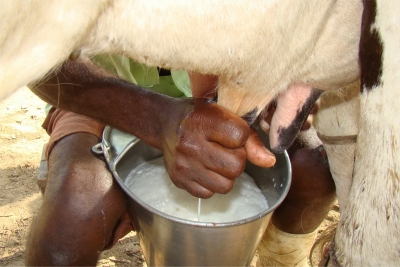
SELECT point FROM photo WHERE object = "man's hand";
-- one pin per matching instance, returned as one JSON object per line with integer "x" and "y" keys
{"x": 208, "y": 149}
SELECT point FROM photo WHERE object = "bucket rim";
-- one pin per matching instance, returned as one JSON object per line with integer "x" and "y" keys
{"x": 112, "y": 164}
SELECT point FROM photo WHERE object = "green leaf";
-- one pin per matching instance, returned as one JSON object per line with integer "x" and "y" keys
{"x": 181, "y": 80}
{"x": 166, "y": 87}
{"x": 145, "y": 76}
{"x": 176, "y": 85}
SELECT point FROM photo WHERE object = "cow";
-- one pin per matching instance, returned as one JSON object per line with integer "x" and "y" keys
{"x": 360, "y": 136}
{"x": 291, "y": 51}
{"x": 368, "y": 228}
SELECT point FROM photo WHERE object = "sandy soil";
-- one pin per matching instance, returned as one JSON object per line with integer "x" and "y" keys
{"x": 21, "y": 143}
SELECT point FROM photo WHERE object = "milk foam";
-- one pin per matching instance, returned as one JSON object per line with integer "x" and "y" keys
{"x": 151, "y": 183}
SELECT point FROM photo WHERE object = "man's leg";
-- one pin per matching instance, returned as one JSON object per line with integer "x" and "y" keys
{"x": 292, "y": 230}
{"x": 83, "y": 211}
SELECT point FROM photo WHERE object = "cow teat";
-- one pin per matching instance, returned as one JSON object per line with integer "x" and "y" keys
{"x": 292, "y": 111}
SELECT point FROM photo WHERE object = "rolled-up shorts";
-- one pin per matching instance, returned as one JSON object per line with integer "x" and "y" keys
{"x": 61, "y": 123}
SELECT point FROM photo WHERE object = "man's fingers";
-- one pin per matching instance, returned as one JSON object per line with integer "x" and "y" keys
{"x": 195, "y": 189}
{"x": 204, "y": 183}
{"x": 215, "y": 182}
{"x": 257, "y": 153}
{"x": 228, "y": 163}
{"x": 222, "y": 126}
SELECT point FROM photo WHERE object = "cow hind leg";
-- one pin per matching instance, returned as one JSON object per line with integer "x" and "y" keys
{"x": 368, "y": 231}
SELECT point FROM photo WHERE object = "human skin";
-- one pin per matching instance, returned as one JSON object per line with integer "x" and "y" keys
{"x": 204, "y": 144}
{"x": 78, "y": 178}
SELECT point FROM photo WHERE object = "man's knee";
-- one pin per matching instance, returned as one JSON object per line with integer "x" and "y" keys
{"x": 80, "y": 182}
{"x": 312, "y": 179}
{"x": 82, "y": 206}
{"x": 312, "y": 191}
{"x": 311, "y": 174}
{"x": 73, "y": 168}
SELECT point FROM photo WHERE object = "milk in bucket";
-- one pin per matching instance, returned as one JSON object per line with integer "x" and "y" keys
{"x": 150, "y": 182}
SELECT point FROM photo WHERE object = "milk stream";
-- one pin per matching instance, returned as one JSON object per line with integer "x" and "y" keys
{"x": 198, "y": 210}
{"x": 151, "y": 183}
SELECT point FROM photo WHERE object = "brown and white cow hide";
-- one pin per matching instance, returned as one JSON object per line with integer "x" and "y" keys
{"x": 368, "y": 194}
{"x": 369, "y": 226}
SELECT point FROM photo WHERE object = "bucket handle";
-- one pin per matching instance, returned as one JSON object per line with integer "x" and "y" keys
{"x": 97, "y": 149}
{"x": 100, "y": 148}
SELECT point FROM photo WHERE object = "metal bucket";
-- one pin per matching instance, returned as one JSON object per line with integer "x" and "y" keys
{"x": 171, "y": 241}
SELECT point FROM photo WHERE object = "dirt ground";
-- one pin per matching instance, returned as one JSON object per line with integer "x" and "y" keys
{"x": 21, "y": 143}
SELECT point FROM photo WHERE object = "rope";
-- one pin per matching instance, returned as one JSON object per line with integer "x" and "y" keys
{"x": 338, "y": 140}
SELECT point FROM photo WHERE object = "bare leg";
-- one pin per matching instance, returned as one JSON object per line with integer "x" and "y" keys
{"x": 312, "y": 191}
{"x": 292, "y": 230}
{"x": 83, "y": 207}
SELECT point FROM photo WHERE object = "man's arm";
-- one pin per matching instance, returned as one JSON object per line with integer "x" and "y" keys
{"x": 83, "y": 87}
{"x": 203, "y": 143}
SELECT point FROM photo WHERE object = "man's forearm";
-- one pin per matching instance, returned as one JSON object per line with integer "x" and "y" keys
{"x": 82, "y": 87}
{"x": 204, "y": 145}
